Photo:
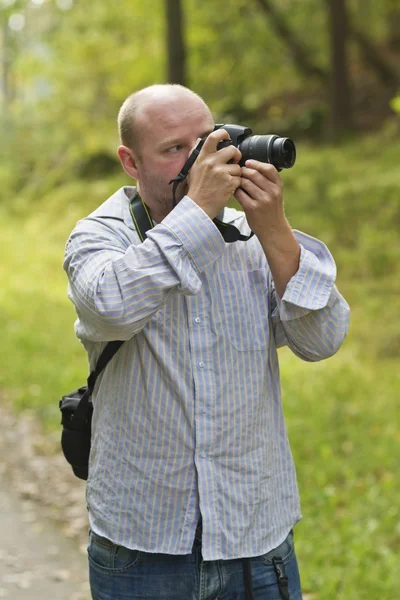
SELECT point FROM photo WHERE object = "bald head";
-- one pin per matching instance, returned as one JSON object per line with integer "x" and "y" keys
{"x": 140, "y": 106}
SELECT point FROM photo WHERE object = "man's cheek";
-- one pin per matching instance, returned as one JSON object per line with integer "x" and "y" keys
{"x": 178, "y": 164}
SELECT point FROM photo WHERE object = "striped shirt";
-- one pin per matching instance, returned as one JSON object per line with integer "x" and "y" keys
{"x": 188, "y": 414}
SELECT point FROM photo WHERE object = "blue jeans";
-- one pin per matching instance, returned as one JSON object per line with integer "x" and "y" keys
{"x": 117, "y": 573}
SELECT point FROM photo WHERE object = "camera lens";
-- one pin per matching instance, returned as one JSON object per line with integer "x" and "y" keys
{"x": 280, "y": 152}
{"x": 283, "y": 153}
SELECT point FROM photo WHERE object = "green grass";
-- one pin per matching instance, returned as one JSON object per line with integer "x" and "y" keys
{"x": 342, "y": 422}
{"x": 341, "y": 413}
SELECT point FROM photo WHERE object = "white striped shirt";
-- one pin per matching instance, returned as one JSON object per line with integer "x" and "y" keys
{"x": 188, "y": 414}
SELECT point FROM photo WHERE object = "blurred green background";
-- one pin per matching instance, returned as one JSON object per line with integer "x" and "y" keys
{"x": 326, "y": 73}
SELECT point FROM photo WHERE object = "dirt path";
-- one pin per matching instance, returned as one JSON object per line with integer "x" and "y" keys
{"x": 43, "y": 520}
{"x": 36, "y": 562}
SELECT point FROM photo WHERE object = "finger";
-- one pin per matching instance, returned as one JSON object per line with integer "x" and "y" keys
{"x": 236, "y": 181}
{"x": 266, "y": 169}
{"x": 256, "y": 177}
{"x": 230, "y": 153}
{"x": 242, "y": 197}
{"x": 260, "y": 179}
{"x": 256, "y": 191}
{"x": 212, "y": 141}
{"x": 234, "y": 169}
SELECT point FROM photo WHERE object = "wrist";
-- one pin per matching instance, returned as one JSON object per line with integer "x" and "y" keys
{"x": 282, "y": 252}
{"x": 277, "y": 236}
{"x": 209, "y": 207}
{"x": 205, "y": 206}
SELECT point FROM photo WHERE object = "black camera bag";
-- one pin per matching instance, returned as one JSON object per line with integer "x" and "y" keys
{"x": 76, "y": 417}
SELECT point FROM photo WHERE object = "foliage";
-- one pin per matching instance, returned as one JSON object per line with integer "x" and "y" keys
{"x": 69, "y": 72}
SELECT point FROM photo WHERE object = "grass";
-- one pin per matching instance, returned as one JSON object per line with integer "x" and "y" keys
{"x": 341, "y": 413}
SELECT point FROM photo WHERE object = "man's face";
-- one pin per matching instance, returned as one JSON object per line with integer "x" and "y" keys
{"x": 168, "y": 131}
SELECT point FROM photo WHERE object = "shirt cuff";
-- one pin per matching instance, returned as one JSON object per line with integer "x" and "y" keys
{"x": 310, "y": 288}
{"x": 197, "y": 233}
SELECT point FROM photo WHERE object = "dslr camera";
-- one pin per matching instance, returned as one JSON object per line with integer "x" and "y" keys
{"x": 278, "y": 151}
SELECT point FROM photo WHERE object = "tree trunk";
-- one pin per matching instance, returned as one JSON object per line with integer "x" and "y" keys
{"x": 339, "y": 89}
{"x": 393, "y": 27}
{"x": 175, "y": 42}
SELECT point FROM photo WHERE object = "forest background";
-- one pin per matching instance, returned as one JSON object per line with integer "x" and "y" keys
{"x": 324, "y": 72}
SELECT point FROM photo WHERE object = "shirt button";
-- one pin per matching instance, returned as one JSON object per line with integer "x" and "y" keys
{"x": 203, "y": 455}
{"x": 197, "y": 320}
{"x": 201, "y": 364}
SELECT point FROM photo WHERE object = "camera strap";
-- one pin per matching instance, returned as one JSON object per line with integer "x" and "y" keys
{"x": 83, "y": 411}
{"x": 283, "y": 582}
{"x": 185, "y": 170}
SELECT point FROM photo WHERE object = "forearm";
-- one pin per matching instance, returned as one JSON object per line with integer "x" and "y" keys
{"x": 282, "y": 251}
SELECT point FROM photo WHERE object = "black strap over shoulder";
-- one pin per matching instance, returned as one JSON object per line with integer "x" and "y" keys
{"x": 83, "y": 408}
{"x": 103, "y": 361}
{"x": 140, "y": 216}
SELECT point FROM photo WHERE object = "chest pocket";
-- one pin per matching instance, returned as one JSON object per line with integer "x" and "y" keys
{"x": 244, "y": 308}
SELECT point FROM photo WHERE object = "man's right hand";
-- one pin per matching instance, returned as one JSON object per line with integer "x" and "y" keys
{"x": 212, "y": 180}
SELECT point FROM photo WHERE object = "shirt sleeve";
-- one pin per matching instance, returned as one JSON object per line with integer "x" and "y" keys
{"x": 312, "y": 317}
{"x": 117, "y": 286}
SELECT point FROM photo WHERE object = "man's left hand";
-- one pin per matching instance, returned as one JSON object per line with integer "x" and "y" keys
{"x": 261, "y": 197}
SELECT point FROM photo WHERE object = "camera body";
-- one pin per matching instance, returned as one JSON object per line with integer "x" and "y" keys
{"x": 278, "y": 151}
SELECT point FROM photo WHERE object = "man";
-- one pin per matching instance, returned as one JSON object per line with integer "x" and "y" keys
{"x": 190, "y": 467}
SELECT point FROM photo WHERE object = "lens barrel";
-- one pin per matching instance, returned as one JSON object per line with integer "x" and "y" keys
{"x": 278, "y": 151}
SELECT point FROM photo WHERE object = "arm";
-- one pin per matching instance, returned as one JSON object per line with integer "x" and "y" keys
{"x": 308, "y": 313}
{"x": 312, "y": 317}
{"x": 116, "y": 288}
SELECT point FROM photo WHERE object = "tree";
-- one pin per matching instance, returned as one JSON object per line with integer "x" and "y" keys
{"x": 341, "y": 112}
{"x": 175, "y": 42}
{"x": 393, "y": 25}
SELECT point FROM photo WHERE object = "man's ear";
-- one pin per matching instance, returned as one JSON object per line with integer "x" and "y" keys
{"x": 128, "y": 161}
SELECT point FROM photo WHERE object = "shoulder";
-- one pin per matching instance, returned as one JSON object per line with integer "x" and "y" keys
{"x": 115, "y": 207}
{"x": 110, "y": 220}
{"x": 111, "y": 214}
